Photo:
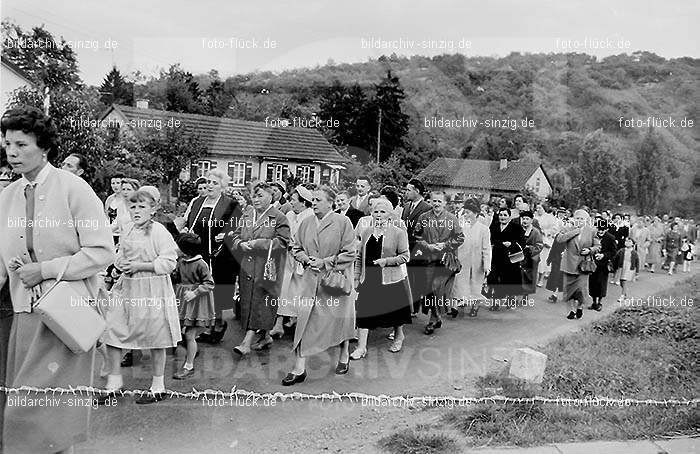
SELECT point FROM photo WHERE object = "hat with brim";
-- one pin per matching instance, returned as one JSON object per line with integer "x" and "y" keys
{"x": 304, "y": 193}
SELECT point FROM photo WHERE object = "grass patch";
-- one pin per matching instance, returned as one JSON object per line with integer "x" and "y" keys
{"x": 634, "y": 353}
{"x": 420, "y": 440}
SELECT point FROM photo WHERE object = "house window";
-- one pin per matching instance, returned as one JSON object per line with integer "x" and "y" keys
{"x": 236, "y": 170}
{"x": 305, "y": 173}
{"x": 278, "y": 173}
{"x": 203, "y": 167}
{"x": 326, "y": 176}
{"x": 537, "y": 185}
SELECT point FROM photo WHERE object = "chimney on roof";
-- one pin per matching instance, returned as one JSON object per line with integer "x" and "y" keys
{"x": 142, "y": 103}
{"x": 503, "y": 164}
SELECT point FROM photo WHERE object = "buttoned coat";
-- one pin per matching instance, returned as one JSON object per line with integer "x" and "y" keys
{"x": 259, "y": 296}
{"x": 324, "y": 320}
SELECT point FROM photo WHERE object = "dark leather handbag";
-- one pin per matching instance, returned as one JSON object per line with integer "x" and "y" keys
{"x": 587, "y": 265}
{"x": 451, "y": 262}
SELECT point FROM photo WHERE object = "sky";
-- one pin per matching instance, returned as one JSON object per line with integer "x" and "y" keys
{"x": 234, "y": 36}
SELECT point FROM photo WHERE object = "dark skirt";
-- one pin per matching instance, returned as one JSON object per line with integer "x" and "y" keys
{"x": 555, "y": 281}
{"x": 505, "y": 279}
{"x": 6, "y": 314}
{"x": 224, "y": 271}
{"x": 598, "y": 282}
{"x": 39, "y": 359}
{"x": 529, "y": 275}
{"x": 381, "y": 306}
{"x": 575, "y": 287}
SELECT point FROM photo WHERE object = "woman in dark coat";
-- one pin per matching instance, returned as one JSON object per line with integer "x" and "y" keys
{"x": 505, "y": 277}
{"x": 532, "y": 249}
{"x": 210, "y": 217}
{"x": 598, "y": 280}
{"x": 261, "y": 235}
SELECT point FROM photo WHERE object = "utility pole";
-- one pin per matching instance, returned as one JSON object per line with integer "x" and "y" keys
{"x": 379, "y": 134}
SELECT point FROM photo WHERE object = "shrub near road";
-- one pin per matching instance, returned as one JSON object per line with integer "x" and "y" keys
{"x": 635, "y": 353}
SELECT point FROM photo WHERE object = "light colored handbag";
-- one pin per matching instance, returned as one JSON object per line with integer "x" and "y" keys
{"x": 66, "y": 308}
{"x": 270, "y": 271}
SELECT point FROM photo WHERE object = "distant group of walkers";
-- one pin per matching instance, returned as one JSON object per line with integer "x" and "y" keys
{"x": 320, "y": 265}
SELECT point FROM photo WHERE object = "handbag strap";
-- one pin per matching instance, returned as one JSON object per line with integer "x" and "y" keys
{"x": 269, "y": 249}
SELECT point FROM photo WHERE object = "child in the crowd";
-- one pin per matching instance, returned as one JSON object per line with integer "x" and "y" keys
{"x": 194, "y": 285}
{"x": 627, "y": 262}
{"x": 144, "y": 314}
{"x": 687, "y": 250}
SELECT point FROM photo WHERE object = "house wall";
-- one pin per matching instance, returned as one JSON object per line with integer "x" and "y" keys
{"x": 10, "y": 82}
{"x": 539, "y": 185}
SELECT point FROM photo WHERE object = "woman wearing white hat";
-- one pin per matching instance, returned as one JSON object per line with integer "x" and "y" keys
{"x": 300, "y": 201}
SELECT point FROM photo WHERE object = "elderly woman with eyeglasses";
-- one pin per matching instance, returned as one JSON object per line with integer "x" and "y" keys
{"x": 259, "y": 241}
{"x": 208, "y": 217}
{"x": 324, "y": 245}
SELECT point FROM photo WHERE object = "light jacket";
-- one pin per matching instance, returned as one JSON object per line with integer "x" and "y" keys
{"x": 394, "y": 249}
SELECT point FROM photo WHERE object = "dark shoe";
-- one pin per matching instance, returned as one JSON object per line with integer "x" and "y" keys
{"x": 342, "y": 368}
{"x": 216, "y": 336}
{"x": 429, "y": 328}
{"x": 276, "y": 335}
{"x": 454, "y": 312}
{"x": 579, "y": 313}
{"x": 263, "y": 344}
{"x": 292, "y": 379}
{"x": 104, "y": 398}
{"x": 474, "y": 311}
{"x": 204, "y": 338}
{"x": 183, "y": 374}
{"x": 552, "y": 299}
{"x": 151, "y": 398}
{"x": 571, "y": 316}
{"x": 438, "y": 324}
{"x": 128, "y": 360}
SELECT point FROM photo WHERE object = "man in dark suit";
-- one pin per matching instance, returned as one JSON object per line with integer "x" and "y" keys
{"x": 342, "y": 203}
{"x": 414, "y": 206}
{"x": 361, "y": 200}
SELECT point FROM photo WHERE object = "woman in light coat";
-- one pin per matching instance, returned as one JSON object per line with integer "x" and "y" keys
{"x": 324, "y": 242}
{"x": 475, "y": 256}
{"x": 31, "y": 258}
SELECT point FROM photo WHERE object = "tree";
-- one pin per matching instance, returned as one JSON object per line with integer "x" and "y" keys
{"x": 216, "y": 99}
{"x": 46, "y": 61}
{"x": 182, "y": 91}
{"x": 386, "y": 104}
{"x": 601, "y": 176}
{"x": 650, "y": 180}
{"x": 116, "y": 90}
{"x": 70, "y": 110}
{"x": 346, "y": 105}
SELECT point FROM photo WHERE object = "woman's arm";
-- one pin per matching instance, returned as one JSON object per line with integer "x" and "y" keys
{"x": 280, "y": 239}
{"x": 535, "y": 243}
{"x": 96, "y": 244}
{"x": 346, "y": 254}
{"x": 402, "y": 254}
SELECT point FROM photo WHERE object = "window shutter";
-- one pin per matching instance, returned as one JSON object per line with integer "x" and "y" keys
{"x": 299, "y": 171}
{"x": 212, "y": 165}
{"x": 312, "y": 174}
{"x": 285, "y": 172}
{"x": 248, "y": 172}
{"x": 270, "y": 172}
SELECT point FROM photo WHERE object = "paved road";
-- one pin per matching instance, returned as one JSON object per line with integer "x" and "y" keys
{"x": 442, "y": 364}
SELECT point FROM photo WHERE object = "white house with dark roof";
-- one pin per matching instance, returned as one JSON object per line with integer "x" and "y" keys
{"x": 247, "y": 150}
{"x": 481, "y": 178}
{"x": 11, "y": 78}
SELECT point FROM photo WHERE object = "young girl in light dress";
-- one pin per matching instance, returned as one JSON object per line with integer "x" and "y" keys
{"x": 193, "y": 290}
{"x": 143, "y": 313}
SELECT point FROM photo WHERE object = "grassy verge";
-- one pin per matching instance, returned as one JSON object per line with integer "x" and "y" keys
{"x": 635, "y": 353}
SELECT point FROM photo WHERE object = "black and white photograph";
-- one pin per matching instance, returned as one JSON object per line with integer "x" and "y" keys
{"x": 388, "y": 227}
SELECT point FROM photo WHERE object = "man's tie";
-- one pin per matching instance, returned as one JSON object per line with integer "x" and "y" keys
{"x": 29, "y": 195}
